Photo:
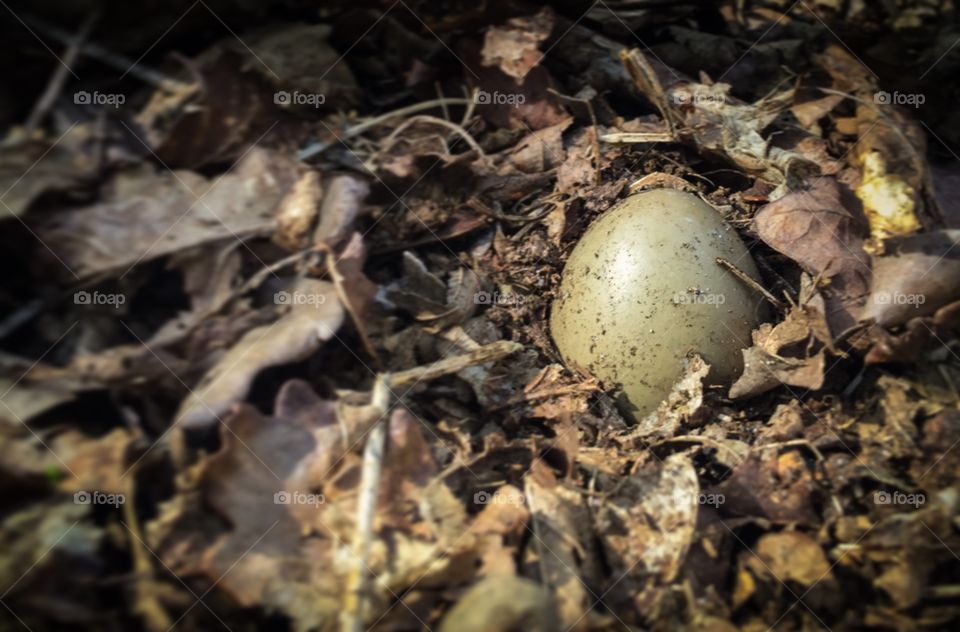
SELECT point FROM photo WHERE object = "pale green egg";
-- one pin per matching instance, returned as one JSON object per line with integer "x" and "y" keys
{"x": 642, "y": 289}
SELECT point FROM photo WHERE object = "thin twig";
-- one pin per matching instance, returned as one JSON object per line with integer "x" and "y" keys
{"x": 356, "y": 594}
{"x": 487, "y": 353}
{"x": 95, "y": 51}
{"x": 59, "y": 77}
{"x": 751, "y": 283}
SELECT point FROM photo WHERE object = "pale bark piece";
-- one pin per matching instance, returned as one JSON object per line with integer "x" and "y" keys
{"x": 314, "y": 318}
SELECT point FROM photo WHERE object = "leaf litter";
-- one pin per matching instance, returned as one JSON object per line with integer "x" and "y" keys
{"x": 275, "y": 348}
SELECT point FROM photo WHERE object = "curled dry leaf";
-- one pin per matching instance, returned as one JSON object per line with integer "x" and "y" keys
{"x": 682, "y": 405}
{"x": 793, "y": 352}
{"x": 314, "y": 317}
{"x": 708, "y": 117}
{"x": 342, "y": 202}
{"x": 263, "y": 483}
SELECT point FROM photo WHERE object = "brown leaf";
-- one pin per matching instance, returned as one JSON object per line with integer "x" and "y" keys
{"x": 514, "y": 48}
{"x": 145, "y": 215}
{"x": 819, "y": 229}
{"x": 915, "y": 278}
{"x": 561, "y": 526}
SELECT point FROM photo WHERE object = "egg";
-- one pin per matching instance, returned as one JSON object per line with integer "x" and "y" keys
{"x": 642, "y": 289}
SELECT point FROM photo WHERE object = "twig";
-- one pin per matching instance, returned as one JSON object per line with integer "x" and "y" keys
{"x": 316, "y": 148}
{"x": 356, "y": 594}
{"x": 487, "y": 353}
{"x": 619, "y": 138}
{"x": 59, "y": 77}
{"x": 95, "y": 51}
{"x": 751, "y": 283}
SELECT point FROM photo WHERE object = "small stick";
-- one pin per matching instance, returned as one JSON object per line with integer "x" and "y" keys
{"x": 487, "y": 353}
{"x": 95, "y": 51}
{"x": 617, "y": 138}
{"x": 59, "y": 77}
{"x": 356, "y": 595}
{"x": 749, "y": 282}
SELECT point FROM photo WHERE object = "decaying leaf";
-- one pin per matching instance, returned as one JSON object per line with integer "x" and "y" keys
{"x": 148, "y": 214}
{"x": 916, "y": 277}
{"x": 651, "y": 518}
{"x": 821, "y": 230}
{"x": 681, "y": 406}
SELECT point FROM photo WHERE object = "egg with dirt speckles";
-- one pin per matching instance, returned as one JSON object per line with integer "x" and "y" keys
{"x": 642, "y": 289}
